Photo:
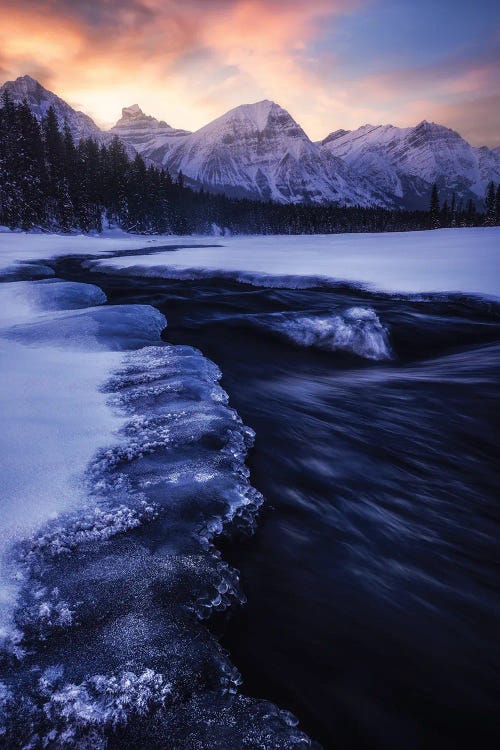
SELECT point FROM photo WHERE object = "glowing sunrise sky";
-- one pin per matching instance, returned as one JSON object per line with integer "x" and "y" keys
{"x": 331, "y": 63}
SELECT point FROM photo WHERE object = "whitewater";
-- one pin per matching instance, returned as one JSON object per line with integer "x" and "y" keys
{"x": 140, "y": 511}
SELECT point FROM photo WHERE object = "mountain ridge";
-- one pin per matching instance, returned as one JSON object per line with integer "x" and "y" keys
{"x": 39, "y": 100}
{"x": 407, "y": 161}
{"x": 259, "y": 151}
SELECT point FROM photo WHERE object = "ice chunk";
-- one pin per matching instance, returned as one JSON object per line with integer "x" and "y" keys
{"x": 357, "y": 330}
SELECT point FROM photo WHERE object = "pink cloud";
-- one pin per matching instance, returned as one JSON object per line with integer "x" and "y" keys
{"x": 189, "y": 62}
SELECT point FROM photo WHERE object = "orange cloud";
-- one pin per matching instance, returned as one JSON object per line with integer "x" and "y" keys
{"x": 188, "y": 62}
{"x": 105, "y": 55}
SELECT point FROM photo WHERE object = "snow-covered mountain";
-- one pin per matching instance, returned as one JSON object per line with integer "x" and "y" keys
{"x": 40, "y": 99}
{"x": 150, "y": 137}
{"x": 407, "y": 161}
{"x": 255, "y": 150}
{"x": 259, "y": 151}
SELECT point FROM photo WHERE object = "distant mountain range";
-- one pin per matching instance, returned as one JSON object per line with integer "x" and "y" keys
{"x": 405, "y": 162}
{"x": 259, "y": 151}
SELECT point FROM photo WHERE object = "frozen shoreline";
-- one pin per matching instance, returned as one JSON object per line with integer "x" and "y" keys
{"x": 122, "y": 463}
{"x": 459, "y": 260}
{"x": 465, "y": 261}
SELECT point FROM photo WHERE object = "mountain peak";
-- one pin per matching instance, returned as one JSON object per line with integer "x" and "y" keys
{"x": 430, "y": 126}
{"x": 426, "y": 125}
{"x": 28, "y": 79}
{"x": 259, "y": 112}
{"x": 129, "y": 113}
{"x": 23, "y": 86}
{"x": 434, "y": 130}
{"x": 134, "y": 118}
{"x": 251, "y": 120}
{"x": 41, "y": 99}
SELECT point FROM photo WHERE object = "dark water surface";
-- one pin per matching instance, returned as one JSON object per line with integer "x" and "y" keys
{"x": 372, "y": 582}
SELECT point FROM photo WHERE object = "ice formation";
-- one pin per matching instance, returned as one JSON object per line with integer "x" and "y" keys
{"x": 357, "y": 330}
{"x": 123, "y": 463}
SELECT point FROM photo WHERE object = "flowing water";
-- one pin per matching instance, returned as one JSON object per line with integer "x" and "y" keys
{"x": 371, "y": 575}
{"x": 372, "y": 580}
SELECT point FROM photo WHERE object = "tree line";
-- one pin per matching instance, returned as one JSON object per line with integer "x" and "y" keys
{"x": 457, "y": 214}
{"x": 51, "y": 183}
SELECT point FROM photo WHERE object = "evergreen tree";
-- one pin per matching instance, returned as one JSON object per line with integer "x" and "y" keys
{"x": 89, "y": 207}
{"x": 115, "y": 172}
{"x": 35, "y": 173}
{"x": 445, "y": 214}
{"x": 140, "y": 195}
{"x": 453, "y": 211}
{"x": 490, "y": 202}
{"x": 434, "y": 208}
{"x": 10, "y": 196}
{"x": 48, "y": 181}
{"x": 60, "y": 208}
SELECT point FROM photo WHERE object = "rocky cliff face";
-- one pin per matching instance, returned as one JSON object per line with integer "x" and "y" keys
{"x": 146, "y": 134}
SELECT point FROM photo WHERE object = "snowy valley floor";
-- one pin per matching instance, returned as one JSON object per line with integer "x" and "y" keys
{"x": 122, "y": 462}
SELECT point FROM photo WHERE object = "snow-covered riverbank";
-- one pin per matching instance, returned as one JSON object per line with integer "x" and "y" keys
{"x": 446, "y": 260}
{"x": 121, "y": 462}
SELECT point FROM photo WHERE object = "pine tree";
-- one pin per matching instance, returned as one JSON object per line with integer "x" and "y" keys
{"x": 10, "y": 196}
{"x": 72, "y": 168}
{"x": 453, "y": 211}
{"x": 140, "y": 196}
{"x": 445, "y": 214}
{"x": 115, "y": 173}
{"x": 490, "y": 203}
{"x": 89, "y": 211}
{"x": 31, "y": 170}
{"x": 434, "y": 208}
{"x": 59, "y": 209}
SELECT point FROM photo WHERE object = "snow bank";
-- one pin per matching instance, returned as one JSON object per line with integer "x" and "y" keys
{"x": 47, "y": 438}
{"x": 56, "y": 352}
{"x": 21, "y": 301}
{"x": 26, "y": 248}
{"x": 446, "y": 260}
{"x": 121, "y": 463}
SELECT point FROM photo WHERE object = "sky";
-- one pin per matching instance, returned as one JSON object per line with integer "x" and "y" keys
{"x": 331, "y": 63}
